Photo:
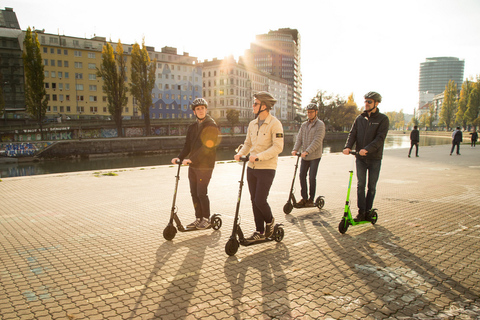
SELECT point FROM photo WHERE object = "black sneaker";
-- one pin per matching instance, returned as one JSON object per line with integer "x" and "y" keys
{"x": 360, "y": 216}
{"x": 301, "y": 203}
{"x": 269, "y": 228}
{"x": 256, "y": 236}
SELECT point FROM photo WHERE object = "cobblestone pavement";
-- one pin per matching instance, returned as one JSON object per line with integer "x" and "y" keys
{"x": 89, "y": 245}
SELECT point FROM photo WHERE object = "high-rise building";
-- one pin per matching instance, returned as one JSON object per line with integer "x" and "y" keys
{"x": 278, "y": 53}
{"x": 435, "y": 74}
{"x": 230, "y": 85}
{"x": 11, "y": 64}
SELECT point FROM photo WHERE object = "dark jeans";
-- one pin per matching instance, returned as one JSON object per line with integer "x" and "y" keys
{"x": 306, "y": 166}
{"x": 372, "y": 168}
{"x": 259, "y": 183}
{"x": 199, "y": 180}
{"x": 411, "y": 147}
{"x": 453, "y": 147}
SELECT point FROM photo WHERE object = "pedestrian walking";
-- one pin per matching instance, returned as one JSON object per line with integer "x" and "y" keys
{"x": 414, "y": 140}
{"x": 457, "y": 138}
{"x": 473, "y": 138}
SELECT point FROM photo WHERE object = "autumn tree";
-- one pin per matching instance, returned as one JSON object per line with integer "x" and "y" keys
{"x": 467, "y": 88}
{"x": 143, "y": 81}
{"x": 431, "y": 115}
{"x": 449, "y": 107}
{"x": 334, "y": 111}
{"x": 36, "y": 99}
{"x": 472, "y": 114}
{"x": 113, "y": 72}
{"x": 233, "y": 117}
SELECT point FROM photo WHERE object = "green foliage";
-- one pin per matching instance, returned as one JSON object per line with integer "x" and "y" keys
{"x": 337, "y": 113}
{"x": 35, "y": 94}
{"x": 460, "y": 117}
{"x": 113, "y": 72}
{"x": 396, "y": 119}
{"x": 449, "y": 107}
{"x": 472, "y": 114}
{"x": 143, "y": 81}
{"x": 233, "y": 117}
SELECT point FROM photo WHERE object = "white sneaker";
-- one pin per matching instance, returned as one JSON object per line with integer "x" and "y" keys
{"x": 204, "y": 224}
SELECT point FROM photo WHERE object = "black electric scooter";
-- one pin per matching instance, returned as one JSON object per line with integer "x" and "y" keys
{"x": 231, "y": 247}
{"x": 347, "y": 219}
{"x": 170, "y": 231}
{"x": 292, "y": 202}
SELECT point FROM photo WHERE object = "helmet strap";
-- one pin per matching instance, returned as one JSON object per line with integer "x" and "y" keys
{"x": 260, "y": 111}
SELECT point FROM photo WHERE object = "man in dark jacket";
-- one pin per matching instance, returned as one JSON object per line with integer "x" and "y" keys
{"x": 414, "y": 140}
{"x": 368, "y": 133}
{"x": 199, "y": 152}
{"x": 457, "y": 137}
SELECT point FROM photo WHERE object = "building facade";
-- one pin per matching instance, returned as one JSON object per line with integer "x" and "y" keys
{"x": 229, "y": 84}
{"x": 11, "y": 65}
{"x": 278, "y": 53}
{"x": 435, "y": 74}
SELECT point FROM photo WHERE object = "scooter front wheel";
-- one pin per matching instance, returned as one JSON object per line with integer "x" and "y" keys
{"x": 320, "y": 202}
{"x": 343, "y": 226}
{"x": 169, "y": 232}
{"x": 288, "y": 207}
{"x": 231, "y": 247}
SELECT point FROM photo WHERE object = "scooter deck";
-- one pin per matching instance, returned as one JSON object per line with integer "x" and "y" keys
{"x": 186, "y": 229}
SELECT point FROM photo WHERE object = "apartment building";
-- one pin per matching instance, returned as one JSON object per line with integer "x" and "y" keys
{"x": 278, "y": 53}
{"x": 230, "y": 84}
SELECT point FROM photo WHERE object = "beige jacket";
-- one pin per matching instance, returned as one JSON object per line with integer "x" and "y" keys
{"x": 265, "y": 142}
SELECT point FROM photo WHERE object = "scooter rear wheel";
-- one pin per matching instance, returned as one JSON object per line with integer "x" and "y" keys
{"x": 169, "y": 232}
{"x": 343, "y": 226}
{"x": 216, "y": 223}
{"x": 278, "y": 234}
{"x": 373, "y": 216}
{"x": 320, "y": 202}
{"x": 288, "y": 207}
{"x": 231, "y": 247}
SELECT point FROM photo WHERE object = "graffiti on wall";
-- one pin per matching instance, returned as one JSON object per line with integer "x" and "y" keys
{"x": 109, "y": 133}
{"x": 22, "y": 149}
{"x": 134, "y": 132}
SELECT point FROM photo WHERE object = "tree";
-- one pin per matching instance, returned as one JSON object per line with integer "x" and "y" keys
{"x": 423, "y": 122}
{"x": 36, "y": 98}
{"x": 334, "y": 111}
{"x": 143, "y": 81}
{"x": 449, "y": 107}
{"x": 232, "y": 117}
{"x": 414, "y": 121}
{"x": 431, "y": 115}
{"x": 460, "y": 117}
{"x": 113, "y": 72}
{"x": 472, "y": 114}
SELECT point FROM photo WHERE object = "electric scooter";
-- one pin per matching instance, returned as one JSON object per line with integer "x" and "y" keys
{"x": 292, "y": 202}
{"x": 347, "y": 219}
{"x": 170, "y": 231}
{"x": 231, "y": 247}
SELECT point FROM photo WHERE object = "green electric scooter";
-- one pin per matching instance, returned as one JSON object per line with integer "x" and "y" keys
{"x": 347, "y": 219}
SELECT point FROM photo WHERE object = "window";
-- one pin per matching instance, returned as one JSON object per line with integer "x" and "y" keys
{"x": 45, "y": 50}
{"x": 67, "y": 86}
{"x": 47, "y": 85}
{"x": 92, "y": 88}
{"x": 54, "y": 85}
{"x": 79, "y": 98}
{"x": 60, "y": 97}
{"x": 93, "y": 98}
{"x": 78, "y": 65}
{"x": 76, "y": 53}
{"x": 60, "y": 74}
{"x": 91, "y": 55}
{"x": 45, "y": 62}
{"x": 68, "y": 108}
{"x": 92, "y": 66}
{"x": 92, "y": 76}
{"x": 66, "y": 75}
{"x": 65, "y": 64}
{"x": 60, "y": 86}
{"x": 52, "y": 50}
{"x": 67, "y": 97}
{"x": 52, "y": 63}
{"x": 65, "y": 52}
{"x": 54, "y": 97}
{"x": 78, "y": 75}
{"x": 59, "y": 51}
{"x": 53, "y": 74}
{"x": 79, "y": 87}
{"x": 104, "y": 109}
{"x": 59, "y": 63}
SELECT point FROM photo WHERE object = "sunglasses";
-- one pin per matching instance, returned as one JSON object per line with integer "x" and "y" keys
{"x": 369, "y": 101}
{"x": 257, "y": 104}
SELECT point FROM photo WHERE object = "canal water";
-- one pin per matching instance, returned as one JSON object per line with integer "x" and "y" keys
{"x": 103, "y": 163}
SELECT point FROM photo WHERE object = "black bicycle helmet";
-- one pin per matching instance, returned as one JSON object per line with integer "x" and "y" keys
{"x": 199, "y": 102}
{"x": 312, "y": 106}
{"x": 373, "y": 95}
{"x": 265, "y": 98}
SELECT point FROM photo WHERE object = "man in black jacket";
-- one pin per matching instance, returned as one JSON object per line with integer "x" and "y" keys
{"x": 199, "y": 152}
{"x": 414, "y": 140}
{"x": 368, "y": 133}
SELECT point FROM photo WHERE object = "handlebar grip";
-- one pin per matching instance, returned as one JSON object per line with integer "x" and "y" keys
{"x": 353, "y": 152}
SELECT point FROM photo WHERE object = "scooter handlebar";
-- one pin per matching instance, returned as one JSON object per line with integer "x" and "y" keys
{"x": 353, "y": 152}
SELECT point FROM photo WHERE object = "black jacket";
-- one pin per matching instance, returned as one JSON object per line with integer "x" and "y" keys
{"x": 415, "y": 135}
{"x": 369, "y": 133}
{"x": 201, "y": 144}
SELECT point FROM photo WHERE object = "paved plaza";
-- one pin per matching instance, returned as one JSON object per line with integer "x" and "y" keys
{"x": 89, "y": 245}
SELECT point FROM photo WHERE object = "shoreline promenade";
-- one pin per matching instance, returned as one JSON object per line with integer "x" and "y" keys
{"x": 89, "y": 245}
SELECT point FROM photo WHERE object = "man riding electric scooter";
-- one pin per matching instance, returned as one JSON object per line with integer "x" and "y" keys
{"x": 368, "y": 133}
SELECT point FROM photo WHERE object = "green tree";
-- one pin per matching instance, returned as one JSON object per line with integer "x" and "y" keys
{"x": 414, "y": 121}
{"x": 233, "y": 118}
{"x": 143, "y": 81}
{"x": 460, "y": 117}
{"x": 472, "y": 114}
{"x": 431, "y": 115}
{"x": 449, "y": 107}
{"x": 113, "y": 72}
{"x": 36, "y": 98}
{"x": 423, "y": 121}
{"x": 334, "y": 111}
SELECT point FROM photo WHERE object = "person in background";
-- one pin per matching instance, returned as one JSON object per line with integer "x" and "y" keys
{"x": 310, "y": 141}
{"x": 473, "y": 138}
{"x": 368, "y": 133}
{"x": 414, "y": 140}
{"x": 199, "y": 152}
{"x": 457, "y": 138}
{"x": 264, "y": 142}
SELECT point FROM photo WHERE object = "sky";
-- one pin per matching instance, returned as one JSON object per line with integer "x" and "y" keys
{"x": 347, "y": 46}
